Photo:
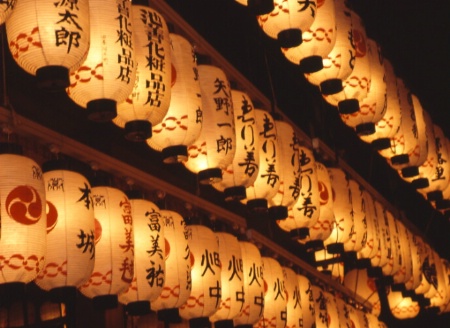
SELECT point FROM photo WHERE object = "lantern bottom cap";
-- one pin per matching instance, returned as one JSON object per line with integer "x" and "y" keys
{"x": 363, "y": 263}
{"x": 381, "y": 143}
{"x": 201, "y": 322}
{"x": 335, "y": 248}
{"x": 52, "y": 78}
{"x": 138, "y": 130}
{"x": 365, "y": 129}
{"x": 314, "y": 245}
{"x": 290, "y": 38}
{"x": 311, "y": 64}
{"x": 104, "y": 302}
{"x": 138, "y": 308}
{"x": 299, "y": 234}
{"x": 278, "y": 212}
{"x": 63, "y": 293}
{"x": 10, "y": 148}
{"x": 257, "y": 205}
{"x": 410, "y": 171}
{"x": 374, "y": 272}
{"x": 400, "y": 159}
{"x": 331, "y": 86}
{"x": 398, "y": 287}
{"x": 175, "y": 154}
{"x": 434, "y": 196}
{"x": 224, "y": 324}
{"x": 235, "y": 193}
{"x": 420, "y": 183}
{"x": 443, "y": 204}
{"x": 169, "y": 315}
{"x": 101, "y": 110}
{"x": 348, "y": 106}
{"x": 260, "y": 7}
{"x": 15, "y": 290}
{"x": 210, "y": 176}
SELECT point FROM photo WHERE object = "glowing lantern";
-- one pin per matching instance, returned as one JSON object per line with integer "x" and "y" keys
{"x": 329, "y": 263}
{"x": 253, "y": 286}
{"x": 305, "y": 212}
{"x": 344, "y": 313}
{"x": 232, "y": 284}
{"x": 258, "y": 7}
{"x": 402, "y": 307}
{"x": 373, "y": 106}
{"x": 215, "y": 147}
{"x": 267, "y": 182}
{"x": 381, "y": 258}
{"x": 101, "y": 83}
{"x": 306, "y": 301}
{"x": 49, "y": 39}
{"x": 183, "y": 122}
{"x": 293, "y": 306}
{"x": 69, "y": 258}
{"x": 388, "y": 125}
{"x": 444, "y": 203}
{"x": 149, "y": 256}
{"x": 113, "y": 238}
{"x": 5, "y": 10}
{"x": 405, "y": 272}
{"x": 357, "y": 84}
{"x": 148, "y": 102}
{"x": 177, "y": 284}
{"x": 318, "y": 40}
{"x": 287, "y": 21}
{"x": 427, "y": 285}
{"x": 332, "y": 309}
{"x": 23, "y": 216}
{"x": 359, "y": 282}
{"x": 320, "y": 307}
{"x": 442, "y": 296}
{"x": 275, "y": 301}
{"x": 338, "y": 64}
{"x": 370, "y": 249}
{"x": 242, "y": 172}
{"x": 289, "y": 190}
{"x": 206, "y": 276}
{"x": 416, "y": 263}
{"x": 395, "y": 259}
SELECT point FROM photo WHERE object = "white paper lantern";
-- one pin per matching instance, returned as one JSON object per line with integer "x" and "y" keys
{"x": 70, "y": 254}
{"x": 405, "y": 272}
{"x": 287, "y": 21}
{"x": 370, "y": 248}
{"x": 243, "y": 170}
{"x": 344, "y": 313}
{"x": 306, "y": 301}
{"x": 206, "y": 276}
{"x": 49, "y": 40}
{"x": 318, "y": 40}
{"x": 442, "y": 296}
{"x": 384, "y": 249}
{"x": 320, "y": 307}
{"x": 149, "y": 256}
{"x": 108, "y": 74}
{"x": 24, "y": 224}
{"x": 253, "y": 307}
{"x": 333, "y": 311}
{"x": 114, "y": 258}
{"x": 5, "y": 10}
{"x": 394, "y": 259}
{"x": 359, "y": 282}
{"x": 232, "y": 280}
{"x": 148, "y": 102}
{"x": 339, "y": 63}
{"x": 402, "y": 307}
{"x": 183, "y": 121}
{"x": 214, "y": 149}
{"x": 358, "y": 238}
{"x": 293, "y": 306}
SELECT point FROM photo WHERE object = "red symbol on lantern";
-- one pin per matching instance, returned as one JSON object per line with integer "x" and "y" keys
{"x": 323, "y": 193}
{"x": 360, "y": 43}
{"x": 52, "y": 216}
{"x": 97, "y": 230}
{"x": 174, "y": 76}
{"x": 167, "y": 246}
{"x": 24, "y": 205}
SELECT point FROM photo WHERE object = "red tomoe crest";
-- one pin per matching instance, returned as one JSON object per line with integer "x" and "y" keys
{"x": 360, "y": 43}
{"x": 24, "y": 205}
{"x": 324, "y": 193}
{"x": 52, "y": 216}
{"x": 97, "y": 230}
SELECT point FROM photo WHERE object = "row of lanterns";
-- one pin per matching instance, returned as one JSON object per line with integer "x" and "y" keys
{"x": 62, "y": 233}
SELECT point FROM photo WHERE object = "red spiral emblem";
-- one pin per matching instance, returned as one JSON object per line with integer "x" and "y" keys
{"x": 97, "y": 231}
{"x": 24, "y": 205}
{"x": 360, "y": 43}
{"x": 173, "y": 79}
{"x": 52, "y": 216}
{"x": 324, "y": 194}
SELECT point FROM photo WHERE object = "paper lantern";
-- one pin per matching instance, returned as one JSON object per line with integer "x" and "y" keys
{"x": 318, "y": 40}
{"x": 344, "y": 313}
{"x": 359, "y": 236}
{"x": 394, "y": 259}
{"x": 405, "y": 272}
{"x": 288, "y": 20}
{"x": 24, "y": 224}
{"x": 384, "y": 249}
{"x": 293, "y": 305}
{"x": 275, "y": 300}
{"x": 232, "y": 281}
{"x": 357, "y": 84}
{"x": 113, "y": 236}
{"x": 373, "y": 106}
{"x": 442, "y": 296}
{"x": 252, "y": 309}
{"x": 402, "y": 307}
{"x": 258, "y": 7}
{"x": 214, "y": 149}
{"x": 306, "y": 301}
{"x": 243, "y": 170}
{"x": 289, "y": 190}
{"x": 70, "y": 254}
{"x": 333, "y": 311}
{"x": 444, "y": 203}
{"x": 320, "y": 307}
{"x": 108, "y": 74}
{"x": 149, "y": 256}
{"x": 305, "y": 212}
{"x": 206, "y": 276}
{"x": 5, "y": 10}
{"x": 178, "y": 282}
{"x": 338, "y": 64}
{"x": 148, "y": 102}
{"x": 267, "y": 183}
{"x": 183, "y": 121}
{"x": 49, "y": 40}
{"x": 370, "y": 249}
{"x": 429, "y": 279}
{"x": 416, "y": 263}
{"x": 330, "y": 264}
{"x": 360, "y": 283}
{"x": 388, "y": 125}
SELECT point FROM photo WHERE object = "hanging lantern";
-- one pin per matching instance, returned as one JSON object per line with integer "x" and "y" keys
{"x": 320, "y": 307}
{"x": 306, "y": 301}
{"x": 338, "y": 64}
{"x": 405, "y": 272}
{"x": 275, "y": 301}
{"x": 287, "y": 21}
{"x": 49, "y": 39}
{"x": 215, "y": 147}
{"x": 23, "y": 218}
{"x": 113, "y": 238}
{"x": 425, "y": 254}
{"x": 394, "y": 260}
{"x": 242, "y": 172}
{"x": 373, "y": 107}
{"x": 6, "y": 8}
{"x": 388, "y": 125}
{"x": 444, "y": 203}
{"x": 305, "y": 212}
{"x": 206, "y": 276}
{"x": 402, "y": 307}
{"x": 442, "y": 296}
{"x": 289, "y": 190}
{"x": 330, "y": 264}
{"x": 332, "y": 309}
{"x": 70, "y": 254}
{"x": 149, "y": 256}
{"x": 381, "y": 258}
{"x": 183, "y": 122}
{"x": 370, "y": 248}
{"x": 318, "y": 40}
{"x": 258, "y": 7}
{"x": 232, "y": 284}
{"x": 177, "y": 282}
{"x": 293, "y": 305}
{"x": 254, "y": 288}
{"x": 416, "y": 263}
{"x": 357, "y": 84}
{"x": 267, "y": 182}
{"x": 108, "y": 74}
{"x": 344, "y": 313}
{"x": 148, "y": 102}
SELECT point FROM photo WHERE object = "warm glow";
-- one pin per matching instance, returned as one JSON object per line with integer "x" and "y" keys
{"x": 6, "y": 9}
{"x": 358, "y": 238}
